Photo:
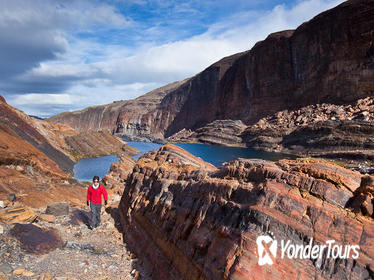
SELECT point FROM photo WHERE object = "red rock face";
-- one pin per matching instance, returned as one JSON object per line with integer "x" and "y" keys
{"x": 328, "y": 59}
{"x": 197, "y": 222}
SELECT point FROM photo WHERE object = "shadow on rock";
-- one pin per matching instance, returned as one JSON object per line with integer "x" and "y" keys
{"x": 79, "y": 216}
{"x": 37, "y": 240}
{"x": 114, "y": 213}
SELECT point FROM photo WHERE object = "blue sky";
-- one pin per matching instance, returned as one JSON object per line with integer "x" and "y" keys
{"x": 63, "y": 55}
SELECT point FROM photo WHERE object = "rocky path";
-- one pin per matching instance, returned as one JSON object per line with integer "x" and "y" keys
{"x": 81, "y": 253}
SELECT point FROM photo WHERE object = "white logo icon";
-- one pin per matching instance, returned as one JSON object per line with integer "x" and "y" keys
{"x": 266, "y": 248}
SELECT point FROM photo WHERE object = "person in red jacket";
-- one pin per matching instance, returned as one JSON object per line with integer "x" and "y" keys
{"x": 94, "y": 193}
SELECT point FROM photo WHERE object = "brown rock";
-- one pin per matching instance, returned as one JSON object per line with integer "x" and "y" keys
{"x": 17, "y": 215}
{"x": 367, "y": 206}
{"x": 118, "y": 173}
{"x": 367, "y": 185}
{"x": 207, "y": 228}
{"x": 58, "y": 209}
{"x": 48, "y": 218}
{"x": 32, "y": 162}
{"x": 3, "y": 276}
{"x": 45, "y": 276}
{"x": 23, "y": 272}
{"x": 219, "y": 132}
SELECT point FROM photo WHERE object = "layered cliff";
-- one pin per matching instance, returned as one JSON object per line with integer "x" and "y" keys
{"x": 189, "y": 220}
{"x": 326, "y": 60}
{"x": 37, "y": 157}
{"x": 146, "y": 116}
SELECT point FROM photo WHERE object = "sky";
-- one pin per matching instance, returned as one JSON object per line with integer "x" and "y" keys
{"x": 65, "y": 55}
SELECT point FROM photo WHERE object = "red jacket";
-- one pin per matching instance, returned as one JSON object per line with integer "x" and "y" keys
{"x": 95, "y": 195}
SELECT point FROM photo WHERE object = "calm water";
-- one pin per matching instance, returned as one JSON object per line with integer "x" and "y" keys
{"x": 86, "y": 168}
{"x": 143, "y": 147}
{"x": 216, "y": 155}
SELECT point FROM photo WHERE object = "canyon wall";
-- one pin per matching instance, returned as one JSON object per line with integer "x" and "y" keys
{"x": 144, "y": 116}
{"x": 329, "y": 59}
{"x": 188, "y": 220}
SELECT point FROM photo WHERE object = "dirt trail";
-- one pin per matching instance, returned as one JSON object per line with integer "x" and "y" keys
{"x": 85, "y": 253}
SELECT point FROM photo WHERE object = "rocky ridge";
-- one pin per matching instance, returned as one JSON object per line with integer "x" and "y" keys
{"x": 199, "y": 222}
{"x": 218, "y": 132}
{"x": 322, "y": 129}
{"x": 342, "y": 132}
{"x": 37, "y": 157}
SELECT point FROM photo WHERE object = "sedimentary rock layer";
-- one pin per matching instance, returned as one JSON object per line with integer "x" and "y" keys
{"x": 328, "y": 59}
{"x": 36, "y": 157}
{"x": 193, "y": 221}
{"x": 146, "y": 116}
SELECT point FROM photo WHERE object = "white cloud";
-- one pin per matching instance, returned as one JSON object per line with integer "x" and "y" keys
{"x": 89, "y": 72}
{"x": 42, "y": 99}
{"x": 178, "y": 60}
{"x": 35, "y": 31}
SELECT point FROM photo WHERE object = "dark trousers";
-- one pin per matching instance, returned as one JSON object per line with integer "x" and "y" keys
{"x": 95, "y": 214}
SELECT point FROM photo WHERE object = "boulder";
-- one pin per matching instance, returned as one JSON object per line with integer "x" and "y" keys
{"x": 17, "y": 215}
{"x": 12, "y": 197}
{"x": 58, "y": 209}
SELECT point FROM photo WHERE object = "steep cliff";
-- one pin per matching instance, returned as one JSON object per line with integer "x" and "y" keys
{"x": 188, "y": 220}
{"x": 329, "y": 59}
{"x": 145, "y": 116}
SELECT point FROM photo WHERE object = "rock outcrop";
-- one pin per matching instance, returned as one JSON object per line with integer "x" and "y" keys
{"x": 118, "y": 174}
{"x": 193, "y": 221}
{"x": 36, "y": 157}
{"x": 219, "y": 132}
{"x": 328, "y": 59}
{"x": 345, "y": 131}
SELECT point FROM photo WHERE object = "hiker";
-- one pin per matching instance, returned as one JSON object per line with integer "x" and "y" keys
{"x": 94, "y": 193}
